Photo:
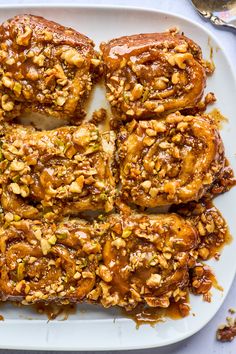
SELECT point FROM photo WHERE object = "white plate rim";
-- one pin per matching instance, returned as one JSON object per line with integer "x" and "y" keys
{"x": 233, "y": 71}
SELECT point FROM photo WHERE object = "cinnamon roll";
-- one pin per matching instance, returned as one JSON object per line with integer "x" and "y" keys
{"x": 45, "y": 68}
{"x": 62, "y": 171}
{"x": 152, "y": 74}
{"x": 169, "y": 161}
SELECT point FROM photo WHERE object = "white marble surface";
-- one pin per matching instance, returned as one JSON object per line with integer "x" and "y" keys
{"x": 203, "y": 342}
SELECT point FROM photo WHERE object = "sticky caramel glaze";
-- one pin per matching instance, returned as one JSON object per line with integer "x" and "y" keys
{"x": 224, "y": 183}
{"x": 202, "y": 279}
{"x": 218, "y": 117}
{"x": 212, "y": 228}
{"x": 55, "y": 311}
{"x": 148, "y": 315}
{"x": 62, "y": 171}
{"x": 151, "y": 74}
{"x": 46, "y": 68}
{"x": 146, "y": 263}
{"x": 172, "y": 160}
{"x": 149, "y": 257}
{"x": 47, "y": 262}
{"x": 142, "y": 260}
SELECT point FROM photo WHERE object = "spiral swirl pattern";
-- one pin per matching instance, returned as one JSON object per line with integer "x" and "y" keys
{"x": 152, "y": 74}
{"x": 173, "y": 160}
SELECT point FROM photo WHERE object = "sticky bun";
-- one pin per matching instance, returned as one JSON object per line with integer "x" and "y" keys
{"x": 169, "y": 161}
{"x": 152, "y": 74}
{"x": 62, "y": 171}
{"x": 45, "y": 68}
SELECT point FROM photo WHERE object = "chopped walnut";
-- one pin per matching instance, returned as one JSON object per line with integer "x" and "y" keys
{"x": 154, "y": 281}
{"x": 226, "y": 332}
{"x": 105, "y": 273}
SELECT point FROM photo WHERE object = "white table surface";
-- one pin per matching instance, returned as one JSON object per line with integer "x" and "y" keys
{"x": 204, "y": 341}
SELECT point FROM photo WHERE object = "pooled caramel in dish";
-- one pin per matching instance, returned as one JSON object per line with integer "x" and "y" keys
{"x": 169, "y": 161}
{"x": 57, "y": 172}
{"x": 44, "y": 68}
{"x": 152, "y": 74}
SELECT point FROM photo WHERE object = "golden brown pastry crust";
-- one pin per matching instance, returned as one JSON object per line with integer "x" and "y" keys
{"x": 151, "y": 74}
{"x": 62, "y": 171}
{"x": 169, "y": 161}
{"x": 45, "y": 68}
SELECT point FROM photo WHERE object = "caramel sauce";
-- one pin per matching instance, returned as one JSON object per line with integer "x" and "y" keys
{"x": 140, "y": 315}
{"x": 218, "y": 118}
{"x": 211, "y": 276}
{"x": 106, "y": 124}
{"x": 215, "y": 249}
{"x": 211, "y": 54}
{"x": 98, "y": 96}
{"x": 210, "y": 63}
{"x": 215, "y": 283}
{"x": 53, "y": 311}
{"x": 150, "y": 315}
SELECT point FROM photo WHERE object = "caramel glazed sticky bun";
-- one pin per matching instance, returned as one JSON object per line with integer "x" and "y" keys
{"x": 45, "y": 68}
{"x": 52, "y": 249}
{"x": 152, "y": 74}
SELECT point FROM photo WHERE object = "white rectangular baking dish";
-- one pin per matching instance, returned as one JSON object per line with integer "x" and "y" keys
{"x": 91, "y": 327}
